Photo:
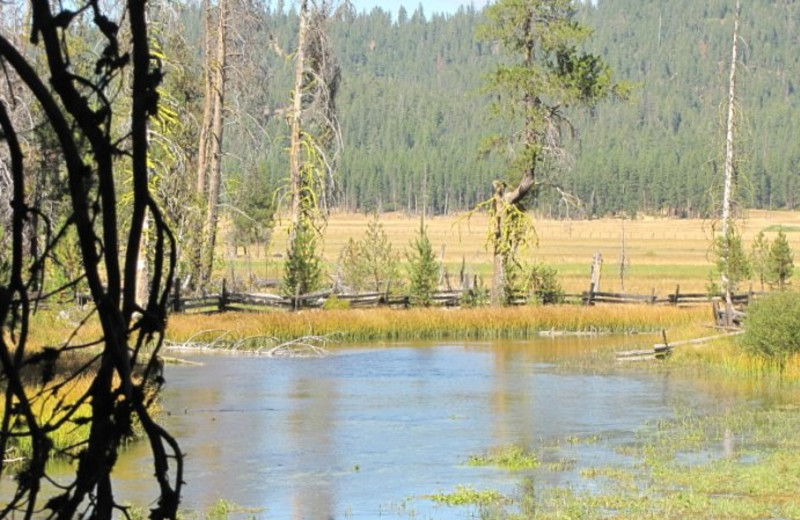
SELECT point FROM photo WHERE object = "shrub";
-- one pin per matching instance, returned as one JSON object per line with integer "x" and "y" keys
{"x": 773, "y": 326}
{"x": 476, "y": 297}
{"x": 536, "y": 283}
{"x": 370, "y": 263}
{"x": 516, "y": 284}
{"x": 545, "y": 287}
{"x": 351, "y": 269}
{"x": 335, "y": 303}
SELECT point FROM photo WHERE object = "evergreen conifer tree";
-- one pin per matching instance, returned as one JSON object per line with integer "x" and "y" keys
{"x": 759, "y": 258}
{"x": 423, "y": 269}
{"x": 780, "y": 263}
{"x": 369, "y": 263}
{"x": 303, "y": 272}
{"x": 732, "y": 262}
{"x": 378, "y": 256}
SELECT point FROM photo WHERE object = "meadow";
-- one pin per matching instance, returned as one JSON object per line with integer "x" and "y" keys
{"x": 661, "y": 253}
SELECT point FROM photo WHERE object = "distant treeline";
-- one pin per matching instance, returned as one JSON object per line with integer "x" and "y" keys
{"x": 414, "y": 116}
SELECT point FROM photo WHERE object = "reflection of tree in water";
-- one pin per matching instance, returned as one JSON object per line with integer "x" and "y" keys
{"x": 511, "y": 404}
{"x": 312, "y": 433}
{"x": 206, "y": 414}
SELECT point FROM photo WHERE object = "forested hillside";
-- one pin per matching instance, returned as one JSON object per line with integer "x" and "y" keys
{"x": 665, "y": 146}
{"x": 413, "y": 113}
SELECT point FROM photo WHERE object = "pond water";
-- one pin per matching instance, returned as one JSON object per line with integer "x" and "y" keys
{"x": 369, "y": 432}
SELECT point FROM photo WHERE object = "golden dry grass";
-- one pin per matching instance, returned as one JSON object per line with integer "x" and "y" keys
{"x": 50, "y": 408}
{"x": 431, "y": 323}
{"x": 53, "y": 326}
{"x": 662, "y": 253}
{"x": 725, "y": 355}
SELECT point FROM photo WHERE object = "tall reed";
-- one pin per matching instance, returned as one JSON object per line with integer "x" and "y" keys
{"x": 728, "y": 357}
{"x": 435, "y": 323}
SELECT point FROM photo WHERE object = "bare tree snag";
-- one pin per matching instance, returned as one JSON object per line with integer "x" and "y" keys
{"x": 208, "y": 103}
{"x": 730, "y": 167}
{"x": 296, "y": 117}
{"x": 215, "y": 148}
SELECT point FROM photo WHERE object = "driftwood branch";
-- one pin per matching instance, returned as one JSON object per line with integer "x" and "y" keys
{"x": 269, "y": 346}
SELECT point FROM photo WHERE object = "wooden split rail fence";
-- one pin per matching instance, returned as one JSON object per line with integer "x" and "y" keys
{"x": 240, "y": 301}
{"x": 592, "y": 297}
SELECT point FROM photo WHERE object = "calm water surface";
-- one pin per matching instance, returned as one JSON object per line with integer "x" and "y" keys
{"x": 369, "y": 432}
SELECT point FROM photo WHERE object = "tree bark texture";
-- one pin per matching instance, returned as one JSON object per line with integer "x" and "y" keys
{"x": 215, "y": 145}
{"x": 295, "y": 163}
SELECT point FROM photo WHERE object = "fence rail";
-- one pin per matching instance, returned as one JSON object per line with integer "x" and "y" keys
{"x": 235, "y": 300}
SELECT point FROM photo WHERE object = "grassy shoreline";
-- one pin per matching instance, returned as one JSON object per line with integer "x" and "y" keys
{"x": 742, "y": 463}
{"x": 659, "y": 483}
{"x": 440, "y": 323}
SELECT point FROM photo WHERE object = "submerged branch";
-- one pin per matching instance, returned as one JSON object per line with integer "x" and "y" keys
{"x": 269, "y": 346}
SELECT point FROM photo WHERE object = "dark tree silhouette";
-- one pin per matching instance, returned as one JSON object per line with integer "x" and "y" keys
{"x": 98, "y": 105}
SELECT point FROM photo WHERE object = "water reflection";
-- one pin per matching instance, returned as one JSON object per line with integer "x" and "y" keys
{"x": 312, "y": 424}
{"x": 361, "y": 432}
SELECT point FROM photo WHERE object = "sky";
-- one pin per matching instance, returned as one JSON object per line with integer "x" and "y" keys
{"x": 428, "y": 6}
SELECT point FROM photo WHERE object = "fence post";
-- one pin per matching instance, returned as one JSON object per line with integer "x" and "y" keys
{"x": 223, "y": 296}
{"x": 590, "y": 294}
{"x": 597, "y": 268}
{"x": 677, "y": 294}
{"x": 176, "y": 297}
{"x": 716, "y": 310}
{"x": 653, "y": 296}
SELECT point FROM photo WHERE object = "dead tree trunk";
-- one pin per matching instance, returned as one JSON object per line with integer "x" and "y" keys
{"x": 208, "y": 104}
{"x": 215, "y": 146}
{"x": 506, "y": 203}
{"x": 295, "y": 163}
{"x": 730, "y": 166}
{"x": 506, "y": 206}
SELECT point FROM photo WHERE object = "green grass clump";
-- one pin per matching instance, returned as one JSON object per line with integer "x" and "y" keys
{"x": 511, "y": 457}
{"x": 221, "y": 510}
{"x": 467, "y": 496}
{"x": 742, "y": 464}
{"x": 780, "y": 227}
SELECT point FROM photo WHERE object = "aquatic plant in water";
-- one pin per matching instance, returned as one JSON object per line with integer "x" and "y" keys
{"x": 511, "y": 457}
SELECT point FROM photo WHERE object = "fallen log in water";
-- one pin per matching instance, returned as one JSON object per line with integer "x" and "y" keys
{"x": 662, "y": 350}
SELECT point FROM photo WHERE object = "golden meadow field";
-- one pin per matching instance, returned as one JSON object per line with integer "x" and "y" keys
{"x": 662, "y": 253}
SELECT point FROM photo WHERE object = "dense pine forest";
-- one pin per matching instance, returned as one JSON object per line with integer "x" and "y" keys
{"x": 414, "y": 115}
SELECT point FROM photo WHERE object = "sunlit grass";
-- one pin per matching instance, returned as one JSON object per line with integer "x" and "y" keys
{"x": 53, "y": 326}
{"x": 728, "y": 357}
{"x": 221, "y": 510}
{"x": 742, "y": 463}
{"x": 468, "y": 496}
{"x": 661, "y": 253}
{"x": 511, "y": 457}
{"x": 434, "y": 323}
{"x": 50, "y": 408}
